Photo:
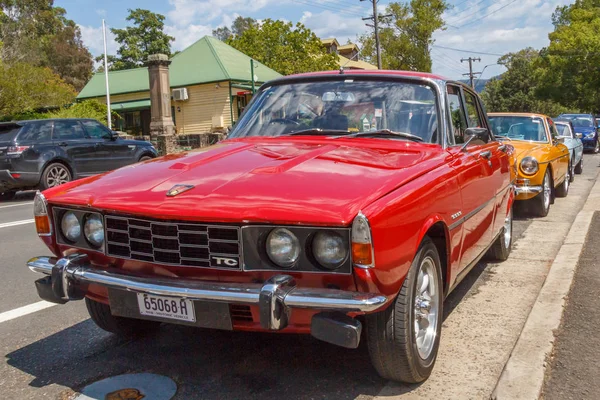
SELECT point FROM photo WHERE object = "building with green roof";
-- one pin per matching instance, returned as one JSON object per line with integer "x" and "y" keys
{"x": 210, "y": 83}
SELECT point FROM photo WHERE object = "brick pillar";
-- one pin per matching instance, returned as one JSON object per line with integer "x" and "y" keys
{"x": 161, "y": 120}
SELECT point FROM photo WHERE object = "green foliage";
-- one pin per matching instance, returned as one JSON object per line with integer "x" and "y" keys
{"x": 24, "y": 88}
{"x": 86, "y": 109}
{"x": 569, "y": 69}
{"x": 286, "y": 48}
{"x": 516, "y": 89}
{"x": 37, "y": 33}
{"x": 406, "y": 36}
{"x": 238, "y": 27}
{"x": 137, "y": 42}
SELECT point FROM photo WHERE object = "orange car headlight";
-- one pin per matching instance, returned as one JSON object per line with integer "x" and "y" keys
{"x": 529, "y": 166}
{"x": 40, "y": 213}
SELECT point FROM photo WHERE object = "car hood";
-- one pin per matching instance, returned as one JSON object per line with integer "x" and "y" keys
{"x": 524, "y": 149}
{"x": 584, "y": 131}
{"x": 277, "y": 180}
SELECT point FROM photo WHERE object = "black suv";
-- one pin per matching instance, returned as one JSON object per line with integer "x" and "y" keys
{"x": 46, "y": 153}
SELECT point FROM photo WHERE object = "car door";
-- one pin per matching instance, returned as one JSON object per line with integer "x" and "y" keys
{"x": 111, "y": 152}
{"x": 559, "y": 154}
{"x": 475, "y": 165}
{"x": 70, "y": 137}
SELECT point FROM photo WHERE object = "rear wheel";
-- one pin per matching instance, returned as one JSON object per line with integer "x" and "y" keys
{"x": 8, "y": 195}
{"x": 500, "y": 250}
{"x": 403, "y": 339}
{"x": 563, "y": 189}
{"x": 126, "y": 327}
{"x": 541, "y": 202}
{"x": 55, "y": 174}
{"x": 579, "y": 167}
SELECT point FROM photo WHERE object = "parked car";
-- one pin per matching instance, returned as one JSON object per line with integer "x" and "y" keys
{"x": 587, "y": 125}
{"x": 543, "y": 161}
{"x": 46, "y": 153}
{"x": 339, "y": 200}
{"x": 573, "y": 142}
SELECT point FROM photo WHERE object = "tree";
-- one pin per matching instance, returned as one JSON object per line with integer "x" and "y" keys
{"x": 238, "y": 27}
{"x": 24, "y": 87}
{"x": 516, "y": 89}
{"x": 144, "y": 38}
{"x": 286, "y": 48}
{"x": 37, "y": 33}
{"x": 405, "y": 37}
{"x": 569, "y": 69}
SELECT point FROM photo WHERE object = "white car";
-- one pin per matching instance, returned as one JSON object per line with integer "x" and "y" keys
{"x": 573, "y": 141}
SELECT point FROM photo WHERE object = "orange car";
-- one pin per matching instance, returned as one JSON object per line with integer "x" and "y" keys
{"x": 542, "y": 160}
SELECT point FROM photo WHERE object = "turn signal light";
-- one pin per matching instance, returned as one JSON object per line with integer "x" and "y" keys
{"x": 40, "y": 213}
{"x": 362, "y": 243}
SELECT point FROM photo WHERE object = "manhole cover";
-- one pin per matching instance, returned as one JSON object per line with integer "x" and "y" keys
{"x": 130, "y": 387}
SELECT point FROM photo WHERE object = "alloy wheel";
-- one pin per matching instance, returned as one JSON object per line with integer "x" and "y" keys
{"x": 426, "y": 307}
{"x": 57, "y": 175}
{"x": 547, "y": 191}
{"x": 508, "y": 229}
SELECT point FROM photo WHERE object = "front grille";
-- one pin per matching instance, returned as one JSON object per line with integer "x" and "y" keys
{"x": 184, "y": 244}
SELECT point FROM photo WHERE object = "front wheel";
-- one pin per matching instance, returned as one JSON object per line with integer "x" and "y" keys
{"x": 597, "y": 147}
{"x": 144, "y": 158}
{"x": 55, "y": 174}
{"x": 126, "y": 327}
{"x": 500, "y": 250}
{"x": 541, "y": 202}
{"x": 579, "y": 167}
{"x": 403, "y": 339}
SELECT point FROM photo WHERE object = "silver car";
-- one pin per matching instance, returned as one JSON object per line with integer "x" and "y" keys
{"x": 573, "y": 141}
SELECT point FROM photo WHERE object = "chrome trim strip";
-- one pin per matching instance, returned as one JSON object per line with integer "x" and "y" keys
{"x": 233, "y": 293}
{"x": 470, "y": 214}
{"x": 528, "y": 189}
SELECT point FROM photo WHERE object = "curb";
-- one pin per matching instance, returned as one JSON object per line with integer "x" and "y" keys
{"x": 523, "y": 375}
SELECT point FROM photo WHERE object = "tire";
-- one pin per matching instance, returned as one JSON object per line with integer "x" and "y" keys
{"x": 500, "y": 250}
{"x": 579, "y": 166}
{"x": 8, "y": 195}
{"x": 125, "y": 327}
{"x": 597, "y": 148}
{"x": 572, "y": 169}
{"x": 391, "y": 334}
{"x": 55, "y": 174}
{"x": 563, "y": 189}
{"x": 145, "y": 158}
{"x": 541, "y": 202}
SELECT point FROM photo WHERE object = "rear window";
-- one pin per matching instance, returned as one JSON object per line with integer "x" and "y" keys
{"x": 36, "y": 132}
{"x": 8, "y": 132}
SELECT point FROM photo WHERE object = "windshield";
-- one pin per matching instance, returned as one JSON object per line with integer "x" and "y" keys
{"x": 342, "y": 107}
{"x": 579, "y": 121}
{"x": 519, "y": 128}
{"x": 563, "y": 130}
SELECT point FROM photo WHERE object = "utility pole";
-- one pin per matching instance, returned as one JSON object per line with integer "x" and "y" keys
{"x": 471, "y": 74}
{"x": 109, "y": 122}
{"x": 375, "y": 19}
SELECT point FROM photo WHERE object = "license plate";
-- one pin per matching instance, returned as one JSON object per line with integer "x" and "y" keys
{"x": 166, "y": 307}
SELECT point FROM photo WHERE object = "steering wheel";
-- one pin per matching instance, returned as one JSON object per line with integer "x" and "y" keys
{"x": 285, "y": 121}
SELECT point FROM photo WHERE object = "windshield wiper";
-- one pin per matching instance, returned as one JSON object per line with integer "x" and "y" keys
{"x": 387, "y": 133}
{"x": 318, "y": 132}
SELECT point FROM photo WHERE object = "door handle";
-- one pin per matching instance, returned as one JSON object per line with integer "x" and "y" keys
{"x": 486, "y": 154}
{"x": 63, "y": 144}
{"x": 502, "y": 148}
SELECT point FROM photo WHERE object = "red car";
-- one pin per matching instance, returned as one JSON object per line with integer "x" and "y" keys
{"x": 339, "y": 201}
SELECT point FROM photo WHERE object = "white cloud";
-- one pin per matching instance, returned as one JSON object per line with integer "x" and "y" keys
{"x": 185, "y": 36}
{"x": 185, "y": 12}
{"x": 328, "y": 24}
{"x": 92, "y": 38}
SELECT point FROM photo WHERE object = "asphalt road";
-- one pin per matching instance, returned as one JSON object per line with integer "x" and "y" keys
{"x": 56, "y": 351}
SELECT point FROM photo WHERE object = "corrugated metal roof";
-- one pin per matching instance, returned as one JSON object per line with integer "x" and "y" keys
{"x": 130, "y": 105}
{"x": 207, "y": 60}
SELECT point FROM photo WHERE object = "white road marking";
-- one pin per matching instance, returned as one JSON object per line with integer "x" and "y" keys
{"x": 22, "y": 311}
{"x": 17, "y": 204}
{"x": 16, "y": 223}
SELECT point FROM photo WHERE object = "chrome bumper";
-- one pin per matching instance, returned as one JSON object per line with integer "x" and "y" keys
{"x": 275, "y": 297}
{"x": 528, "y": 190}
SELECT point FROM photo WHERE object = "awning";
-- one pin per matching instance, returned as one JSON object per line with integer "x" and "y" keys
{"x": 130, "y": 105}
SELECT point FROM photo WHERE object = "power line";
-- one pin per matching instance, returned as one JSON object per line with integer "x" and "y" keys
{"x": 327, "y": 7}
{"x": 467, "y": 51}
{"x": 487, "y": 15}
{"x": 447, "y": 59}
{"x": 459, "y": 17}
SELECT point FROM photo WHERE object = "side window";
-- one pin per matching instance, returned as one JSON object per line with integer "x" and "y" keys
{"x": 96, "y": 130}
{"x": 457, "y": 115}
{"x": 553, "y": 131}
{"x": 68, "y": 130}
{"x": 475, "y": 118}
{"x": 36, "y": 132}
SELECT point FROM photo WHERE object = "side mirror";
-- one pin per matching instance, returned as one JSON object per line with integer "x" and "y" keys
{"x": 578, "y": 135}
{"x": 560, "y": 139}
{"x": 481, "y": 134}
{"x": 114, "y": 135}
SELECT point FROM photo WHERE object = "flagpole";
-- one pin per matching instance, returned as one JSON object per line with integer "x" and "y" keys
{"x": 106, "y": 76}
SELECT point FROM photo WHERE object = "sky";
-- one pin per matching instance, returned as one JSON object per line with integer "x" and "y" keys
{"x": 476, "y": 28}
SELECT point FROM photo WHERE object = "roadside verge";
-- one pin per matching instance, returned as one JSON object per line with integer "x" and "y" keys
{"x": 523, "y": 374}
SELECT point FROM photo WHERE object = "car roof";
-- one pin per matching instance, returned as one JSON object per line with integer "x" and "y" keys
{"x": 516, "y": 114}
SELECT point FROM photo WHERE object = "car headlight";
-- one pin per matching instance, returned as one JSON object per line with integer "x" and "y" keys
{"x": 70, "y": 226}
{"x": 589, "y": 135}
{"x": 94, "y": 230}
{"x": 529, "y": 165}
{"x": 329, "y": 249}
{"x": 283, "y": 247}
